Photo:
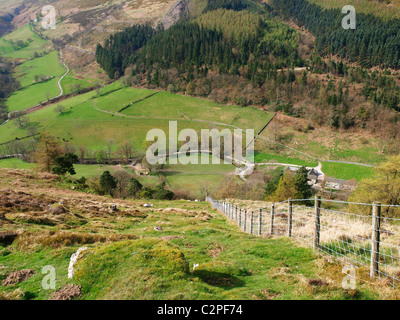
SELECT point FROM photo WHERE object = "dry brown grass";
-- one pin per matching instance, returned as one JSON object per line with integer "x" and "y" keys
{"x": 344, "y": 235}
{"x": 65, "y": 238}
{"x": 17, "y": 294}
{"x": 215, "y": 249}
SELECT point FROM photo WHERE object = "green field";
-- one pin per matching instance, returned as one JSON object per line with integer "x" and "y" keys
{"x": 31, "y": 92}
{"x": 164, "y": 105}
{"x": 48, "y": 66}
{"x": 30, "y": 96}
{"x": 115, "y": 101}
{"x": 172, "y": 106}
{"x": 13, "y": 163}
{"x": 83, "y": 124}
{"x": 347, "y": 171}
{"x": 192, "y": 178}
{"x": 94, "y": 123}
{"x": 70, "y": 83}
{"x": 7, "y": 49}
{"x": 336, "y": 170}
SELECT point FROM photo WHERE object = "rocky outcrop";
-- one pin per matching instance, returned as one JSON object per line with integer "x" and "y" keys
{"x": 174, "y": 14}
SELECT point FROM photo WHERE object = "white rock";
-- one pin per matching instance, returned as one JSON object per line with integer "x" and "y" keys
{"x": 73, "y": 260}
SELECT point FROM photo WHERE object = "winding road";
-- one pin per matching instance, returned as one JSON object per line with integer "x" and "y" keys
{"x": 63, "y": 76}
{"x": 36, "y": 107}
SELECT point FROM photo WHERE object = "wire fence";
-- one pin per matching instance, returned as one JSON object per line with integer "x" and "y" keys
{"x": 362, "y": 240}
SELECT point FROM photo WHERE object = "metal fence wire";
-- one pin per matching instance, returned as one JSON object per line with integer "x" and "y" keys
{"x": 371, "y": 241}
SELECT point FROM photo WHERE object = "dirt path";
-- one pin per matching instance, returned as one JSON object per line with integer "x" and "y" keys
{"x": 63, "y": 76}
{"x": 349, "y": 162}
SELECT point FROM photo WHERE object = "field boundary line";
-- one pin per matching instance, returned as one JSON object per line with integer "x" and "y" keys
{"x": 135, "y": 102}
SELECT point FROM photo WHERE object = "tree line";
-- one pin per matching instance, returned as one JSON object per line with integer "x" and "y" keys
{"x": 7, "y": 85}
{"x": 374, "y": 42}
{"x": 201, "y": 46}
{"x": 50, "y": 156}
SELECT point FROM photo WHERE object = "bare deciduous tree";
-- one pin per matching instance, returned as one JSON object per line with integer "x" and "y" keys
{"x": 123, "y": 177}
{"x": 32, "y": 131}
{"x": 82, "y": 153}
{"x": 60, "y": 109}
{"x": 21, "y": 120}
{"x": 109, "y": 145}
{"x": 126, "y": 150}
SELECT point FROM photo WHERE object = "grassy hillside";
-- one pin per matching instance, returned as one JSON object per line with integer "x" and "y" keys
{"x": 31, "y": 43}
{"x": 38, "y": 70}
{"x": 347, "y": 171}
{"x": 73, "y": 84}
{"x": 89, "y": 120}
{"x": 38, "y": 74}
{"x": 47, "y": 66}
{"x": 195, "y": 179}
{"x": 47, "y": 71}
{"x": 128, "y": 259}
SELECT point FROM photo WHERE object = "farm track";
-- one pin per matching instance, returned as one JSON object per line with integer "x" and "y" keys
{"x": 67, "y": 70}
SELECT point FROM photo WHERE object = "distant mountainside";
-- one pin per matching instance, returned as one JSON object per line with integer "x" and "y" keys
{"x": 83, "y": 24}
{"x": 7, "y": 13}
{"x": 291, "y": 56}
{"x": 374, "y": 42}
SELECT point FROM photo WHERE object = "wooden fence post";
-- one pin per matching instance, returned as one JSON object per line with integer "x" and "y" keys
{"x": 245, "y": 221}
{"x": 272, "y": 218}
{"x": 240, "y": 217}
{"x": 317, "y": 221}
{"x": 290, "y": 217}
{"x": 375, "y": 239}
{"x": 251, "y": 222}
{"x": 259, "y": 222}
{"x": 236, "y": 217}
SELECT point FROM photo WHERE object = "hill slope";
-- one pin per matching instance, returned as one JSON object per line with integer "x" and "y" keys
{"x": 43, "y": 224}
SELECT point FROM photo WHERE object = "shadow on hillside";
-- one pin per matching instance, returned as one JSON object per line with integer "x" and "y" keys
{"x": 219, "y": 279}
{"x": 170, "y": 173}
